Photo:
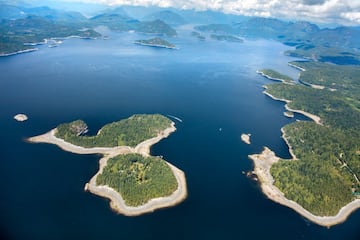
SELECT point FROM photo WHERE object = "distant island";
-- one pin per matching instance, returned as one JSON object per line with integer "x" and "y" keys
{"x": 321, "y": 181}
{"x": 135, "y": 182}
{"x": 156, "y": 42}
{"x": 228, "y": 38}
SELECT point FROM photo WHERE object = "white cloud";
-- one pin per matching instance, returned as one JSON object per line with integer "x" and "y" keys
{"x": 340, "y": 11}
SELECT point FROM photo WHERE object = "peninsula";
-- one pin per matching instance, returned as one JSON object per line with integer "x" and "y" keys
{"x": 133, "y": 181}
{"x": 321, "y": 181}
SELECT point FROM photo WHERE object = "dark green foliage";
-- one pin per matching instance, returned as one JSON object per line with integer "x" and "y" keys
{"x": 156, "y": 42}
{"x": 274, "y": 75}
{"x": 34, "y": 29}
{"x": 228, "y": 38}
{"x": 137, "y": 178}
{"x": 127, "y": 132}
{"x": 325, "y": 177}
{"x": 156, "y": 27}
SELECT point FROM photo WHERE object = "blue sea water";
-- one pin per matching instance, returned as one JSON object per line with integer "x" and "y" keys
{"x": 210, "y": 85}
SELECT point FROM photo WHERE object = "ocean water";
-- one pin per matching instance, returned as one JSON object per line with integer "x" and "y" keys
{"x": 210, "y": 85}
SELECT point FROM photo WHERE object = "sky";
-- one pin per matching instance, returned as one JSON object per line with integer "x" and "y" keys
{"x": 345, "y": 12}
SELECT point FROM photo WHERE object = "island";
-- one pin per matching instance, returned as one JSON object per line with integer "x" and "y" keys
{"x": 134, "y": 181}
{"x": 20, "y": 117}
{"x": 246, "y": 138}
{"x": 289, "y": 114}
{"x": 228, "y": 38}
{"x": 156, "y": 42}
{"x": 321, "y": 180}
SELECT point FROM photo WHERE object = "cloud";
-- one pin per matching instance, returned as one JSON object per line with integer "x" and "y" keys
{"x": 326, "y": 11}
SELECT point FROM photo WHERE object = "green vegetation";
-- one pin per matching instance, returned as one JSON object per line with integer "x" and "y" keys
{"x": 325, "y": 176}
{"x": 156, "y": 27}
{"x": 137, "y": 178}
{"x": 228, "y": 38}
{"x": 156, "y": 42}
{"x": 274, "y": 75}
{"x": 127, "y": 132}
{"x": 325, "y": 54}
{"x": 15, "y": 33}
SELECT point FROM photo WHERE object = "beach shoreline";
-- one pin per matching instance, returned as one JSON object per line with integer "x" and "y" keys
{"x": 315, "y": 118}
{"x": 262, "y": 165}
{"x": 117, "y": 203}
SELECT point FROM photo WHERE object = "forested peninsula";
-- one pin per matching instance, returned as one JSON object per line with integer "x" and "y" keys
{"x": 134, "y": 181}
{"x": 323, "y": 175}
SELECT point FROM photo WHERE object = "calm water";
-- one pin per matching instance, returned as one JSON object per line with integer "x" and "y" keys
{"x": 210, "y": 85}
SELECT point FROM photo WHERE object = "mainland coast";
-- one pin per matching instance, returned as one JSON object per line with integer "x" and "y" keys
{"x": 263, "y": 163}
{"x": 117, "y": 203}
{"x": 262, "y": 166}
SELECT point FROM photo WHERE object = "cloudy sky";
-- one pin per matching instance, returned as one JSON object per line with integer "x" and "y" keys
{"x": 326, "y": 11}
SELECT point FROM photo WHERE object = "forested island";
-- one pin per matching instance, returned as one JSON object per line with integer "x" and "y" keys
{"x": 323, "y": 175}
{"x": 156, "y": 42}
{"x": 134, "y": 181}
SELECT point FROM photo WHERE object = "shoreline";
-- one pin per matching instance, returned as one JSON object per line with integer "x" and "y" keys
{"x": 154, "y": 45}
{"x": 117, "y": 203}
{"x": 18, "y": 52}
{"x": 272, "y": 78}
{"x": 262, "y": 165}
{"x": 315, "y": 118}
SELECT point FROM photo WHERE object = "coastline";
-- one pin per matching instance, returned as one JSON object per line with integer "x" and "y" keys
{"x": 315, "y": 118}
{"x": 272, "y": 78}
{"x": 262, "y": 165}
{"x": 154, "y": 45}
{"x": 117, "y": 203}
{"x": 19, "y": 52}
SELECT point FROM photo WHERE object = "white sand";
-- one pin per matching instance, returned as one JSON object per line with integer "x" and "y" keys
{"x": 117, "y": 203}
{"x": 246, "y": 138}
{"x": 263, "y": 163}
{"x": 20, "y": 117}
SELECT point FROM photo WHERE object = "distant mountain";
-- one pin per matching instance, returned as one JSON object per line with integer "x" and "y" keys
{"x": 156, "y": 27}
{"x": 166, "y": 16}
{"x": 337, "y": 45}
{"x": 114, "y": 21}
{"x": 8, "y": 11}
{"x": 21, "y": 34}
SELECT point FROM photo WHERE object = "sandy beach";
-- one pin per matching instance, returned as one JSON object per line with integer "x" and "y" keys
{"x": 117, "y": 203}
{"x": 263, "y": 163}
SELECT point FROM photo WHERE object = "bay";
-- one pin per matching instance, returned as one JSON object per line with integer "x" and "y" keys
{"x": 212, "y": 86}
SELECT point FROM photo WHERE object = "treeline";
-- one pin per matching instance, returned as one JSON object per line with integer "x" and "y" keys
{"x": 127, "y": 132}
{"x": 324, "y": 178}
{"x": 275, "y": 75}
{"x": 137, "y": 178}
{"x": 318, "y": 181}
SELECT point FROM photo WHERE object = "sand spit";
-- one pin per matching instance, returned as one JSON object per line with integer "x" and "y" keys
{"x": 117, "y": 203}
{"x": 263, "y": 163}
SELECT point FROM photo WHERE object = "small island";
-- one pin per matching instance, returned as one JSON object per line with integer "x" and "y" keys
{"x": 289, "y": 114}
{"x": 135, "y": 182}
{"x": 20, "y": 117}
{"x": 156, "y": 42}
{"x": 228, "y": 38}
{"x": 246, "y": 138}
